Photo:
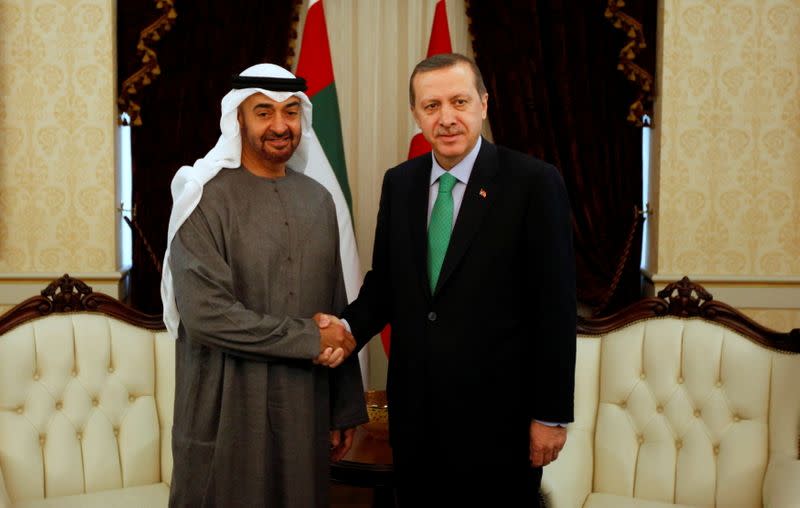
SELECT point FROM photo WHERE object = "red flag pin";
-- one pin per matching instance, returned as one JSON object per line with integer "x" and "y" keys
{"x": 482, "y": 193}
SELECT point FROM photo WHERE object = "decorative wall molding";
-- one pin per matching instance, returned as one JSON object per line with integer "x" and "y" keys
{"x": 745, "y": 291}
{"x": 16, "y": 287}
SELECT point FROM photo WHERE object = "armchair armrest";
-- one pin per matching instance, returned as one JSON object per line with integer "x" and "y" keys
{"x": 781, "y": 488}
{"x": 567, "y": 482}
{"x": 5, "y": 502}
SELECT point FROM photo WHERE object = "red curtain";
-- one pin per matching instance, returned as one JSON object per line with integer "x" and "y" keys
{"x": 555, "y": 92}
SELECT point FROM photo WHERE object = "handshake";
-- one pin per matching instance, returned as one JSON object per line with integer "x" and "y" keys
{"x": 335, "y": 343}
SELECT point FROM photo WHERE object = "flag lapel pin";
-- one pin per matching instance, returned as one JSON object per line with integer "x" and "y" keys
{"x": 482, "y": 193}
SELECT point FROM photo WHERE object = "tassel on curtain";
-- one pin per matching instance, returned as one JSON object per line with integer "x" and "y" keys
{"x": 150, "y": 69}
{"x": 637, "y": 43}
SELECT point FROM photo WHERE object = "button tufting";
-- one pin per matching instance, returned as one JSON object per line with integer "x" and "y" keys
{"x": 95, "y": 402}
{"x": 116, "y": 431}
{"x": 623, "y": 404}
{"x": 131, "y": 398}
{"x": 79, "y": 435}
{"x": 659, "y": 408}
{"x": 640, "y": 439}
{"x": 736, "y": 418}
{"x": 41, "y": 439}
{"x": 36, "y": 376}
{"x": 642, "y": 376}
{"x": 19, "y": 410}
{"x": 680, "y": 380}
{"x": 59, "y": 405}
{"x": 678, "y": 444}
{"x": 716, "y": 450}
{"x": 74, "y": 372}
{"x": 697, "y": 412}
{"x": 718, "y": 383}
{"x": 111, "y": 369}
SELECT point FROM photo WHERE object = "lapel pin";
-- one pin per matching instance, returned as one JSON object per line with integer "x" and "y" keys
{"x": 482, "y": 193}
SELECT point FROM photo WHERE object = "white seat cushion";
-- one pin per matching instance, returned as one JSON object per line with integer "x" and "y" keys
{"x": 154, "y": 495}
{"x": 611, "y": 501}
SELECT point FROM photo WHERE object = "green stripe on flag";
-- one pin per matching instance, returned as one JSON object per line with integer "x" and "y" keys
{"x": 328, "y": 127}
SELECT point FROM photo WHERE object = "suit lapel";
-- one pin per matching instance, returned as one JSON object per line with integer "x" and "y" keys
{"x": 480, "y": 192}
{"x": 418, "y": 218}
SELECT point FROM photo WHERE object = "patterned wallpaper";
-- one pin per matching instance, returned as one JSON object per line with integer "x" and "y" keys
{"x": 730, "y": 138}
{"x": 57, "y": 125}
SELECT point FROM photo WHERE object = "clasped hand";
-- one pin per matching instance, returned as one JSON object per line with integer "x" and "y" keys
{"x": 336, "y": 343}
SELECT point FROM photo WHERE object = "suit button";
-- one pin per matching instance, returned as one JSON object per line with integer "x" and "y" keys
{"x": 432, "y": 316}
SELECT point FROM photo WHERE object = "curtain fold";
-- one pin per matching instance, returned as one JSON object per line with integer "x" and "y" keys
{"x": 555, "y": 92}
{"x": 208, "y": 42}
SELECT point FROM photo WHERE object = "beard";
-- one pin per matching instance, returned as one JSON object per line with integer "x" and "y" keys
{"x": 280, "y": 155}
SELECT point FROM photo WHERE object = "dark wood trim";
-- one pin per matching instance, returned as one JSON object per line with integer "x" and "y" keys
{"x": 688, "y": 299}
{"x": 65, "y": 295}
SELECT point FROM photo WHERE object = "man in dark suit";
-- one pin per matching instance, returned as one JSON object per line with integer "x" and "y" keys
{"x": 473, "y": 268}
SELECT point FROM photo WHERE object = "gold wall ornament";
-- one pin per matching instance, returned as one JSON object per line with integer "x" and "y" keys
{"x": 150, "y": 69}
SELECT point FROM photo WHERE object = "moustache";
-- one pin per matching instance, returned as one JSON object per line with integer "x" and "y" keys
{"x": 275, "y": 137}
{"x": 449, "y": 132}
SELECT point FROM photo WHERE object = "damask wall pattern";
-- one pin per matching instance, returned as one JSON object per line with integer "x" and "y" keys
{"x": 57, "y": 125}
{"x": 730, "y": 138}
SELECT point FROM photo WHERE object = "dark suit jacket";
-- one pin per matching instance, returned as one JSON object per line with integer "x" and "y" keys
{"x": 494, "y": 346}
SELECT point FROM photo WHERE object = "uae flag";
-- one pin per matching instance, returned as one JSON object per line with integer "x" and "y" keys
{"x": 328, "y": 166}
{"x": 438, "y": 43}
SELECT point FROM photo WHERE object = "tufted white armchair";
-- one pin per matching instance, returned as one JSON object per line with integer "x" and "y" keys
{"x": 86, "y": 398}
{"x": 681, "y": 401}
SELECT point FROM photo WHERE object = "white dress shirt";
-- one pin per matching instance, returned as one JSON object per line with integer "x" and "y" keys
{"x": 461, "y": 171}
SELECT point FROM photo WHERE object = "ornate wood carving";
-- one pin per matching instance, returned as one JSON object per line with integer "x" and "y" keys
{"x": 65, "y": 295}
{"x": 687, "y": 299}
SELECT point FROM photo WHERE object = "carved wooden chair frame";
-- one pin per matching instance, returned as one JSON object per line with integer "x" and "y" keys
{"x": 687, "y": 299}
{"x": 67, "y": 294}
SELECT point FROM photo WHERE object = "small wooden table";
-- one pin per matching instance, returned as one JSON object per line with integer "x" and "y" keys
{"x": 368, "y": 464}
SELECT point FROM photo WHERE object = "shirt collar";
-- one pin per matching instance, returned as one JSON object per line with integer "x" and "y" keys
{"x": 462, "y": 170}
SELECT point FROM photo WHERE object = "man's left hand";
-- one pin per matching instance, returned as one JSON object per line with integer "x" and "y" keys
{"x": 341, "y": 441}
{"x": 545, "y": 443}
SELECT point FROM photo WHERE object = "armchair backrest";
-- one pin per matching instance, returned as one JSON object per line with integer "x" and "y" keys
{"x": 86, "y": 395}
{"x": 693, "y": 399}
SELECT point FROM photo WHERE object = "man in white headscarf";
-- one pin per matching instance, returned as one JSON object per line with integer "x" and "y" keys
{"x": 253, "y": 254}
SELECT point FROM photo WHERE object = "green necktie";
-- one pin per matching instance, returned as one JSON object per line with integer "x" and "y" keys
{"x": 440, "y": 227}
